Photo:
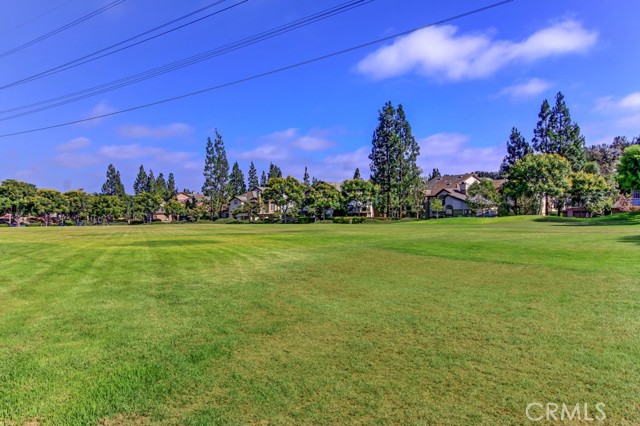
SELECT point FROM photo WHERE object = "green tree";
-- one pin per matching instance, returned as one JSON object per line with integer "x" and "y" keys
{"x": 591, "y": 191}
{"x": 322, "y": 197}
{"x": 253, "y": 176}
{"x": 482, "y": 196}
{"x": 542, "y": 142}
{"x": 48, "y": 202}
{"x": 517, "y": 147}
{"x": 566, "y": 135}
{"x": 542, "y": 177}
{"x": 113, "y": 185}
{"x": 145, "y": 205}
{"x": 77, "y": 203}
{"x": 216, "y": 174}
{"x": 236, "y": 181}
{"x": 263, "y": 179}
{"x": 556, "y": 133}
{"x": 16, "y": 196}
{"x": 274, "y": 172}
{"x": 171, "y": 186}
{"x": 358, "y": 195}
{"x": 393, "y": 158}
{"x": 629, "y": 169}
{"x": 305, "y": 178}
{"x": 160, "y": 187}
{"x": 176, "y": 209}
{"x": 141, "y": 183}
{"x": 286, "y": 193}
{"x": 107, "y": 208}
{"x": 435, "y": 173}
{"x": 436, "y": 206}
{"x": 356, "y": 174}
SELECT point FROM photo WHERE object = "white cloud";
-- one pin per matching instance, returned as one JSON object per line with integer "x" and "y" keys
{"x": 162, "y": 132}
{"x": 342, "y": 166}
{"x": 629, "y": 102}
{"x": 629, "y": 122}
{"x": 277, "y": 146}
{"x": 442, "y": 53}
{"x": 73, "y": 160}
{"x": 528, "y": 89}
{"x": 135, "y": 151}
{"x": 265, "y": 152}
{"x": 74, "y": 144}
{"x": 101, "y": 108}
{"x": 315, "y": 140}
{"x": 452, "y": 153}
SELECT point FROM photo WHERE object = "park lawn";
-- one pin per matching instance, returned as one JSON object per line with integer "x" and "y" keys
{"x": 449, "y": 322}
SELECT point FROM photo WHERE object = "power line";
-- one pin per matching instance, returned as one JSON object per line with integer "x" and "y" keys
{"x": 145, "y": 75}
{"x": 93, "y": 56}
{"x": 267, "y": 73}
{"x": 37, "y": 17}
{"x": 62, "y": 28}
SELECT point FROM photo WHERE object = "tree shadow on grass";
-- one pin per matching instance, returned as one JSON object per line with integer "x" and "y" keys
{"x": 633, "y": 239}
{"x": 623, "y": 219}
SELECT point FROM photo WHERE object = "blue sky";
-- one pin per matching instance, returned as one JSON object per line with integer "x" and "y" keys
{"x": 463, "y": 84}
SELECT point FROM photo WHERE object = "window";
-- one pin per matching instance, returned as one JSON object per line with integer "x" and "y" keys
{"x": 635, "y": 194}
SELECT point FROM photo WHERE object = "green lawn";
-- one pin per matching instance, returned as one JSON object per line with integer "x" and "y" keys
{"x": 450, "y": 322}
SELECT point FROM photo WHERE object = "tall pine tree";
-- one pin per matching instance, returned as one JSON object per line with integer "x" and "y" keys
{"x": 517, "y": 147}
{"x": 305, "y": 178}
{"x": 253, "y": 176}
{"x": 409, "y": 171}
{"x": 151, "y": 183}
{"x": 141, "y": 182}
{"x": 236, "y": 181}
{"x": 113, "y": 185}
{"x": 542, "y": 133}
{"x": 394, "y": 155}
{"x": 263, "y": 179}
{"x": 568, "y": 141}
{"x": 435, "y": 173}
{"x": 274, "y": 172}
{"x": 171, "y": 186}
{"x": 356, "y": 174}
{"x": 209, "y": 187}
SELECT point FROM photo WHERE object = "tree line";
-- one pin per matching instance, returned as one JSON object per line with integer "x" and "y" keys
{"x": 556, "y": 169}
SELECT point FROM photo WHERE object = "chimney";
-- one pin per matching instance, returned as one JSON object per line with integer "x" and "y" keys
{"x": 463, "y": 187}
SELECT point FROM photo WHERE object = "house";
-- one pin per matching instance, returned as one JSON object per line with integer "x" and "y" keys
{"x": 162, "y": 215}
{"x": 185, "y": 197}
{"x": 452, "y": 191}
{"x": 635, "y": 198}
{"x": 265, "y": 207}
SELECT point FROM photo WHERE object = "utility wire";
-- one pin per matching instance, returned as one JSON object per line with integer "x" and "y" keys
{"x": 62, "y": 28}
{"x": 37, "y": 17}
{"x": 126, "y": 81}
{"x": 94, "y": 55}
{"x": 267, "y": 73}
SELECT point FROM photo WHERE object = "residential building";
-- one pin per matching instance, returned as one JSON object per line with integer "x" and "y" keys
{"x": 452, "y": 191}
{"x": 266, "y": 207}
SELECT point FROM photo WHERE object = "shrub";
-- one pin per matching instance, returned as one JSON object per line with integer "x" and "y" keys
{"x": 348, "y": 219}
{"x": 136, "y": 222}
{"x": 407, "y": 219}
{"x": 4, "y": 225}
{"x": 306, "y": 219}
{"x": 226, "y": 221}
{"x": 68, "y": 222}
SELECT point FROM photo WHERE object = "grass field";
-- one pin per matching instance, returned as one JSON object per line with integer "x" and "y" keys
{"x": 450, "y": 322}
